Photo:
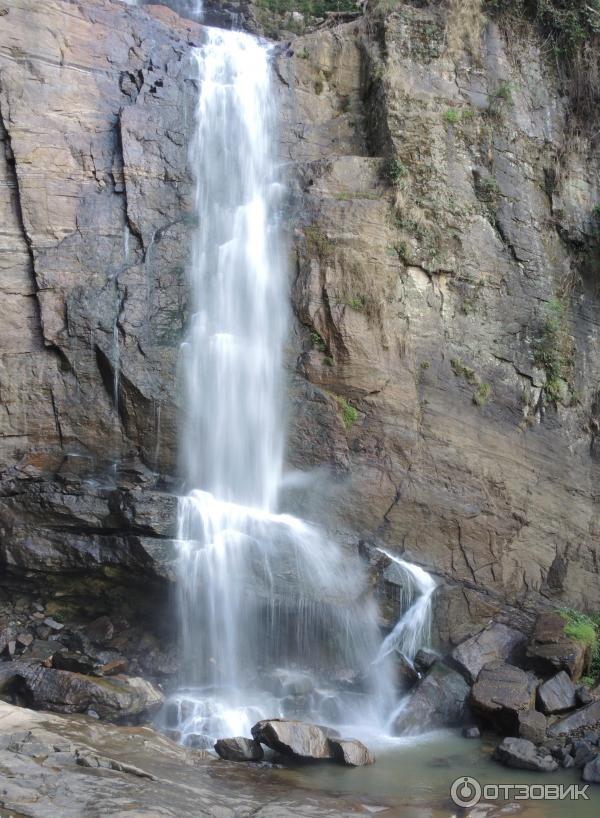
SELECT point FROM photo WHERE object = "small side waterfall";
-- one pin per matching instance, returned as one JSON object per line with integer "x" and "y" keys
{"x": 276, "y": 619}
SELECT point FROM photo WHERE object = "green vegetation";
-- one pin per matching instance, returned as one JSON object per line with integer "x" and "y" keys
{"x": 318, "y": 242}
{"x": 585, "y": 629}
{"x": 462, "y": 371}
{"x": 504, "y": 91}
{"x": 393, "y": 171}
{"x": 309, "y": 8}
{"x": 317, "y": 341}
{"x": 554, "y": 353}
{"x": 482, "y": 394}
{"x": 328, "y": 360}
{"x": 348, "y": 412}
{"x": 425, "y": 364}
{"x": 304, "y": 54}
{"x": 571, "y": 29}
{"x": 357, "y": 303}
{"x": 319, "y": 86}
{"x": 451, "y": 116}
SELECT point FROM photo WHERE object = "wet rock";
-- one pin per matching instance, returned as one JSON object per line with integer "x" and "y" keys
{"x": 75, "y": 662}
{"x": 439, "y": 700}
{"x": 112, "y": 668}
{"x": 551, "y": 650}
{"x": 25, "y": 639}
{"x": 532, "y": 726}
{"x": 41, "y": 651}
{"x": 101, "y": 630}
{"x": 591, "y": 771}
{"x": 350, "y": 752}
{"x": 524, "y": 755}
{"x": 62, "y": 691}
{"x": 578, "y": 722}
{"x": 471, "y": 732}
{"x": 497, "y": 642}
{"x": 405, "y": 674}
{"x": 501, "y": 692}
{"x": 425, "y": 659}
{"x": 583, "y": 695}
{"x": 557, "y": 694}
{"x": 53, "y": 624}
{"x": 294, "y": 738}
{"x": 239, "y": 749}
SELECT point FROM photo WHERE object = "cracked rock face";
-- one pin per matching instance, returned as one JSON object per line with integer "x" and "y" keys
{"x": 429, "y": 233}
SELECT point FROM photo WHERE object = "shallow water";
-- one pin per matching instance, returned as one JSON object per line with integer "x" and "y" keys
{"x": 413, "y": 777}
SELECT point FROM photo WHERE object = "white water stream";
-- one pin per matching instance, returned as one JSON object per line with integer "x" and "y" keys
{"x": 276, "y": 618}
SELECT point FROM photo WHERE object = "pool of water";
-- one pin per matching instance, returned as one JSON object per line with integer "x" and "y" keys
{"x": 412, "y": 778}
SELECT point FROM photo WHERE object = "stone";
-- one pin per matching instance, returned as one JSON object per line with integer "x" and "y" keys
{"x": 101, "y": 630}
{"x": 112, "y": 668}
{"x": 239, "y": 749}
{"x": 350, "y": 752}
{"x": 557, "y": 694}
{"x": 53, "y": 624}
{"x": 583, "y": 695}
{"x": 405, "y": 674}
{"x": 501, "y": 692}
{"x": 471, "y": 732}
{"x": 583, "y": 752}
{"x": 551, "y": 650}
{"x": 75, "y": 662}
{"x": 524, "y": 755}
{"x": 425, "y": 659}
{"x": 591, "y": 771}
{"x": 576, "y": 723}
{"x": 25, "y": 639}
{"x": 532, "y": 726}
{"x": 439, "y": 700}
{"x": 61, "y": 691}
{"x": 497, "y": 642}
{"x": 40, "y": 650}
{"x": 294, "y": 738}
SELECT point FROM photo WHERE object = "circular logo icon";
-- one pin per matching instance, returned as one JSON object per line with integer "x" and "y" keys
{"x": 465, "y": 791}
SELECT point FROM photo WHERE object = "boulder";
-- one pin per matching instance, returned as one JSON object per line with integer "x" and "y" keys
{"x": 101, "y": 630}
{"x": 425, "y": 659}
{"x": 294, "y": 738}
{"x": 471, "y": 732}
{"x": 497, "y": 642}
{"x": 439, "y": 700}
{"x": 584, "y": 695}
{"x": 551, "y": 650}
{"x": 405, "y": 674}
{"x": 524, "y": 755}
{"x": 501, "y": 692}
{"x": 557, "y": 694}
{"x": 239, "y": 749}
{"x": 61, "y": 691}
{"x": 351, "y": 752}
{"x": 578, "y": 722}
{"x": 532, "y": 726}
{"x": 583, "y": 752}
{"x": 591, "y": 771}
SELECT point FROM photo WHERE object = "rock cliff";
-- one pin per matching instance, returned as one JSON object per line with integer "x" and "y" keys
{"x": 444, "y": 374}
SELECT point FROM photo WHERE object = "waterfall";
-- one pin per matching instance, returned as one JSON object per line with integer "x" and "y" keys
{"x": 276, "y": 618}
{"x": 413, "y": 629}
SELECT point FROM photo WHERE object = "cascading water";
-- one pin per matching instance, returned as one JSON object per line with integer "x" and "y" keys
{"x": 276, "y": 619}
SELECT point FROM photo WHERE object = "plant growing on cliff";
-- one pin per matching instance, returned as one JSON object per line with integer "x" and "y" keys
{"x": 451, "y": 116}
{"x": 482, "y": 394}
{"x": 348, "y": 412}
{"x": 393, "y": 171}
{"x": 554, "y": 353}
{"x": 317, "y": 341}
{"x": 585, "y": 629}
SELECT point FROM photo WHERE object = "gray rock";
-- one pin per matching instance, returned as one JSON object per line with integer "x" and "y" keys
{"x": 497, "y": 642}
{"x": 583, "y": 752}
{"x": 294, "y": 738}
{"x": 524, "y": 755}
{"x": 501, "y": 692}
{"x": 584, "y": 695}
{"x": 557, "y": 694}
{"x": 576, "y": 723}
{"x": 551, "y": 650}
{"x": 350, "y": 752}
{"x": 439, "y": 700}
{"x": 532, "y": 726}
{"x": 239, "y": 749}
{"x": 591, "y": 771}
{"x": 471, "y": 732}
{"x": 425, "y": 659}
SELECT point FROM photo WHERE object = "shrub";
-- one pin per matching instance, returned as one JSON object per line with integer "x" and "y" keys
{"x": 393, "y": 171}
{"x": 554, "y": 353}
{"x": 585, "y": 629}
{"x": 317, "y": 341}
{"x": 482, "y": 394}
{"x": 451, "y": 116}
{"x": 349, "y": 413}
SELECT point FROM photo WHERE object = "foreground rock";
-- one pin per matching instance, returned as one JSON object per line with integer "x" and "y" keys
{"x": 576, "y": 724}
{"x": 239, "y": 749}
{"x": 310, "y": 742}
{"x": 61, "y": 691}
{"x": 75, "y": 767}
{"x": 551, "y": 650}
{"x": 501, "y": 692}
{"x": 524, "y": 755}
{"x": 557, "y": 694}
{"x": 495, "y": 643}
{"x": 532, "y": 726}
{"x": 591, "y": 771}
{"x": 439, "y": 700}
